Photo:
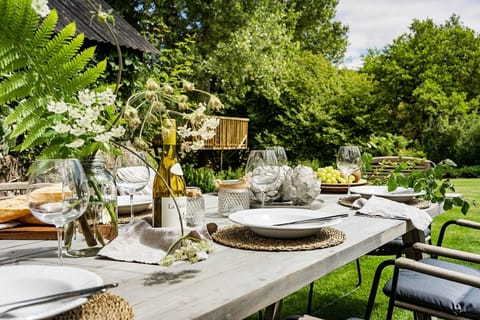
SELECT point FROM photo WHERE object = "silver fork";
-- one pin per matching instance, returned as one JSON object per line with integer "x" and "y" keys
{"x": 11, "y": 306}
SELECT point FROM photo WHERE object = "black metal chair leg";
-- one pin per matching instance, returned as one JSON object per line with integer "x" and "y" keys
{"x": 357, "y": 286}
{"x": 375, "y": 283}
{"x": 310, "y": 298}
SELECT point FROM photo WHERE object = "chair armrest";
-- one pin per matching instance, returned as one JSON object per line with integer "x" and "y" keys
{"x": 459, "y": 222}
{"x": 406, "y": 263}
{"x": 447, "y": 252}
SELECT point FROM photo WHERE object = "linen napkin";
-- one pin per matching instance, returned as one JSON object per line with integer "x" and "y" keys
{"x": 382, "y": 207}
{"x": 142, "y": 243}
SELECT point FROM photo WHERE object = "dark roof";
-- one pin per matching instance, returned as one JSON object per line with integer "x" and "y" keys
{"x": 80, "y": 12}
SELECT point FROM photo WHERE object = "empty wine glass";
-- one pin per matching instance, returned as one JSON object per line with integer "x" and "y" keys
{"x": 262, "y": 171}
{"x": 131, "y": 174}
{"x": 349, "y": 160}
{"x": 281, "y": 155}
{"x": 57, "y": 193}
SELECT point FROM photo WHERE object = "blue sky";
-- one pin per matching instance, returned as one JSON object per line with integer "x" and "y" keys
{"x": 376, "y": 23}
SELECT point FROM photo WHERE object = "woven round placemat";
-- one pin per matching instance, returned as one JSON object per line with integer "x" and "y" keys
{"x": 419, "y": 203}
{"x": 243, "y": 238}
{"x": 103, "y": 306}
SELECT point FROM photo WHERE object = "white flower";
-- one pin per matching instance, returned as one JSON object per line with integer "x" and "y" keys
{"x": 61, "y": 128}
{"x": 86, "y": 97}
{"x": 118, "y": 132}
{"x": 106, "y": 98}
{"x": 184, "y": 131}
{"x": 77, "y": 131}
{"x": 97, "y": 128}
{"x": 104, "y": 137}
{"x": 92, "y": 114}
{"x": 75, "y": 144}
{"x": 211, "y": 123}
{"x": 76, "y": 112}
{"x": 196, "y": 145}
{"x": 57, "y": 107}
{"x": 41, "y": 7}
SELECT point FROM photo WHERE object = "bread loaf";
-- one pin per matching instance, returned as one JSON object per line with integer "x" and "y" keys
{"x": 13, "y": 208}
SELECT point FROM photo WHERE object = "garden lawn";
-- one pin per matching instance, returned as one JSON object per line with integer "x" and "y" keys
{"x": 337, "y": 283}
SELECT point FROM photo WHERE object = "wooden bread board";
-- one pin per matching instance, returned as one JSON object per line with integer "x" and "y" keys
{"x": 29, "y": 232}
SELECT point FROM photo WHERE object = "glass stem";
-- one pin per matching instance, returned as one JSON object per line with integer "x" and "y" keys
{"x": 60, "y": 245}
{"x": 348, "y": 184}
{"x": 131, "y": 205}
{"x": 263, "y": 199}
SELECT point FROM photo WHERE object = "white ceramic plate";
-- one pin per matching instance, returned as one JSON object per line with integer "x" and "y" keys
{"x": 261, "y": 221}
{"x": 400, "y": 194}
{"x": 140, "y": 203}
{"x": 22, "y": 282}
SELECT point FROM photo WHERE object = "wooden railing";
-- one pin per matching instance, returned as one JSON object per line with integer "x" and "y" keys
{"x": 231, "y": 134}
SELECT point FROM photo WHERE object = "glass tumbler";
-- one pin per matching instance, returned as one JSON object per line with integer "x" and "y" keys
{"x": 195, "y": 215}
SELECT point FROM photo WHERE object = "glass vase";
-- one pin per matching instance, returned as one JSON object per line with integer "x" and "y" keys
{"x": 98, "y": 226}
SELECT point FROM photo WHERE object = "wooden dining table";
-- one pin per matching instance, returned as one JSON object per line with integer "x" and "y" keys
{"x": 232, "y": 283}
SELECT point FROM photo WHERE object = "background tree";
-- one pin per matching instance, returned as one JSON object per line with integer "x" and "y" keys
{"x": 428, "y": 84}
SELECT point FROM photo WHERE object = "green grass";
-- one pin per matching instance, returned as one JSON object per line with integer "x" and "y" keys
{"x": 335, "y": 284}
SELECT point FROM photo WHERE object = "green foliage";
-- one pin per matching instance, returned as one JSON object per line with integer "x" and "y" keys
{"x": 199, "y": 177}
{"x": 319, "y": 109}
{"x": 432, "y": 182}
{"x": 428, "y": 84}
{"x": 230, "y": 173}
{"x": 36, "y": 65}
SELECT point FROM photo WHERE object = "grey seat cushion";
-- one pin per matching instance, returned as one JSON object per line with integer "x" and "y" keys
{"x": 393, "y": 247}
{"x": 438, "y": 294}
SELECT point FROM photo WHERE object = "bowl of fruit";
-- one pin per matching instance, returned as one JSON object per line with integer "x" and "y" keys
{"x": 334, "y": 181}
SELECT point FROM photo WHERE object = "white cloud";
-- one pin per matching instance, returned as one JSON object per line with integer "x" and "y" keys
{"x": 375, "y": 23}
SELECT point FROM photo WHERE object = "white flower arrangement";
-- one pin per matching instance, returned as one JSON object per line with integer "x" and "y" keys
{"x": 157, "y": 102}
{"x": 90, "y": 120}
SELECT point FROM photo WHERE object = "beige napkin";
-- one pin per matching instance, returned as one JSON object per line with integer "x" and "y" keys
{"x": 382, "y": 207}
{"x": 140, "y": 242}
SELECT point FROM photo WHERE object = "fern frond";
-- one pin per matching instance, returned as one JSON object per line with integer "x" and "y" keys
{"x": 23, "y": 125}
{"x": 34, "y": 135}
{"x": 15, "y": 87}
{"x": 7, "y": 10}
{"x": 55, "y": 44}
{"x": 26, "y": 21}
{"x": 52, "y": 151}
{"x": 66, "y": 53}
{"x": 45, "y": 31}
{"x": 88, "y": 77}
{"x": 73, "y": 67}
{"x": 24, "y": 109}
{"x": 10, "y": 58}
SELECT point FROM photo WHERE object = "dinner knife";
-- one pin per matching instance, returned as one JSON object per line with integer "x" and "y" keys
{"x": 53, "y": 297}
{"x": 310, "y": 220}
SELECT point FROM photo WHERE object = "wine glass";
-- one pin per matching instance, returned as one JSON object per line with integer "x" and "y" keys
{"x": 131, "y": 174}
{"x": 281, "y": 155}
{"x": 262, "y": 170}
{"x": 349, "y": 160}
{"x": 57, "y": 193}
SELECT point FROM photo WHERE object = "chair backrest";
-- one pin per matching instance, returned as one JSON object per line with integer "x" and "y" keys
{"x": 10, "y": 189}
{"x": 382, "y": 167}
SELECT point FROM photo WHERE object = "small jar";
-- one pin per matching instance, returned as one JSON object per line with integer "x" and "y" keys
{"x": 233, "y": 195}
{"x": 195, "y": 215}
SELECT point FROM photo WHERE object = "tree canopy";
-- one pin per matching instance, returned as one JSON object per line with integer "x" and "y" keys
{"x": 428, "y": 84}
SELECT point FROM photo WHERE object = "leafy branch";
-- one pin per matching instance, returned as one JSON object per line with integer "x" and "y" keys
{"x": 431, "y": 181}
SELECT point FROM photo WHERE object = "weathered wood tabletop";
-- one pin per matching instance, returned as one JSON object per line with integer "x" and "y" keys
{"x": 231, "y": 283}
